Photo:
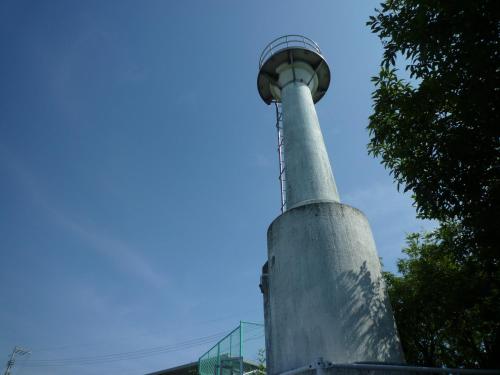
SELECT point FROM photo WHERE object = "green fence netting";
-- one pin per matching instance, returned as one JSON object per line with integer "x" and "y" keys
{"x": 238, "y": 353}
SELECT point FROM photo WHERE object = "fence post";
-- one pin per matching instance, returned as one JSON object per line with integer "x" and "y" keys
{"x": 241, "y": 347}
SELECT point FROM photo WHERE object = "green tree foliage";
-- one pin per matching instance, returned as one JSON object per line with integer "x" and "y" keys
{"x": 438, "y": 132}
{"x": 443, "y": 314}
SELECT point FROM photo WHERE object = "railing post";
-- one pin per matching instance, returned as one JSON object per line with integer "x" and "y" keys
{"x": 319, "y": 365}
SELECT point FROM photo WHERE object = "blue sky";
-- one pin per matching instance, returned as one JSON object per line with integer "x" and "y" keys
{"x": 138, "y": 169}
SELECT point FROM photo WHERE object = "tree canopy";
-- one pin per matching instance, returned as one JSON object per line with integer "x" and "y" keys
{"x": 436, "y": 126}
{"x": 443, "y": 314}
{"x": 439, "y": 133}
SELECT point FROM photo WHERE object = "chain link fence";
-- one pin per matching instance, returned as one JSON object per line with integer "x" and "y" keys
{"x": 238, "y": 353}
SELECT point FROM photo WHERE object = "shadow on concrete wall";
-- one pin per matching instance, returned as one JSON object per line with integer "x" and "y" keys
{"x": 369, "y": 328}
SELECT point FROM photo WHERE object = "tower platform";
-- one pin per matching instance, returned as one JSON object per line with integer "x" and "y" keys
{"x": 290, "y": 49}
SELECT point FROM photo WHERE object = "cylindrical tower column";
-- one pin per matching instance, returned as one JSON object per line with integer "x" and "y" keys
{"x": 324, "y": 294}
{"x": 308, "y": 173}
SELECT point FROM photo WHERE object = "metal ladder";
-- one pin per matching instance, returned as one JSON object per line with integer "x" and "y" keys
{"x": 282, "y": 176}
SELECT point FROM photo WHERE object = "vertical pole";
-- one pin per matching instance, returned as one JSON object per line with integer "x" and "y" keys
{"x": 320, "y": 366}
{"x": 230, "y": 346}
{"x": 241, "y": 348}
{"x": 10, "y": 362}
{"x": 217, "y": 368}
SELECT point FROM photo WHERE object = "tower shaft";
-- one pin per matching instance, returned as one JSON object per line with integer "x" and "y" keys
{"x": 308, "y": 172}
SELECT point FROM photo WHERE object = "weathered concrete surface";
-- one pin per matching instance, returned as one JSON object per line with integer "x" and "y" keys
{"x": 308, "y": 172}
{"x": 323, "y": 293}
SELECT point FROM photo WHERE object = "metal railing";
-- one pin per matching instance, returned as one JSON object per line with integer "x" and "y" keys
{"x": 287, "y": 41}
{"x": 322, "y": 367}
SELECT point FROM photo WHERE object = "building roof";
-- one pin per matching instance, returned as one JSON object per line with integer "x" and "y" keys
{"x": 181, "y": 369}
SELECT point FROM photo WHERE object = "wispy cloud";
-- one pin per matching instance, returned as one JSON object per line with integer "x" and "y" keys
{"x": 123, "y": 256}
{"x": 262, "y": 161}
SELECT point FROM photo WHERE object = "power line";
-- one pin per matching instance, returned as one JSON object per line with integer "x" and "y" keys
{"x": 130, "y": 354}
{"x": 115, "y": 357}
{"x": 149, "y": 333}
{"x": 155, "y": 348}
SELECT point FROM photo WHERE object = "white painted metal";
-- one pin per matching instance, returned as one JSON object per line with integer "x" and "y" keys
{"x": 374, "y": 369}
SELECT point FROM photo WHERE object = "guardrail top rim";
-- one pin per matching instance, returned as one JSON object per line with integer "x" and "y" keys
{"x": 268, "y": 52}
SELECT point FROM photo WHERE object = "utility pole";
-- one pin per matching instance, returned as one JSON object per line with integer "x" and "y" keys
{"x": 10, "y": 363}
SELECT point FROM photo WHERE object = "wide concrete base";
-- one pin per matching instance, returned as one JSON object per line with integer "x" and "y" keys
{"x": 323, "y": 290}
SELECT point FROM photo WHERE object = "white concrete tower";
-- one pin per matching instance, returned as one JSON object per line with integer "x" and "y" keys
{"x": 324, "y": 295}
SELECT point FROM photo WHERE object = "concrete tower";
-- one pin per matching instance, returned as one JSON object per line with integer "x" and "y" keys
{"x": 323, "y": 290}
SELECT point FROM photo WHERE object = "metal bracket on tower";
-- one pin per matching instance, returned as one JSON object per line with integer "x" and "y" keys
{"x": 282, "y": 178}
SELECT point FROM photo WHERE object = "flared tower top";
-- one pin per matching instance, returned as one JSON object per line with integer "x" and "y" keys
{"x": 290, "y": 49}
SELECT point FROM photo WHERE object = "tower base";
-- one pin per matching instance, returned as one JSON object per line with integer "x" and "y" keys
{"x": 324, "y": 295}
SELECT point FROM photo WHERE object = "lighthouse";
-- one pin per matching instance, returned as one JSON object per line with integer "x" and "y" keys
{"x": 324, "y": 295}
